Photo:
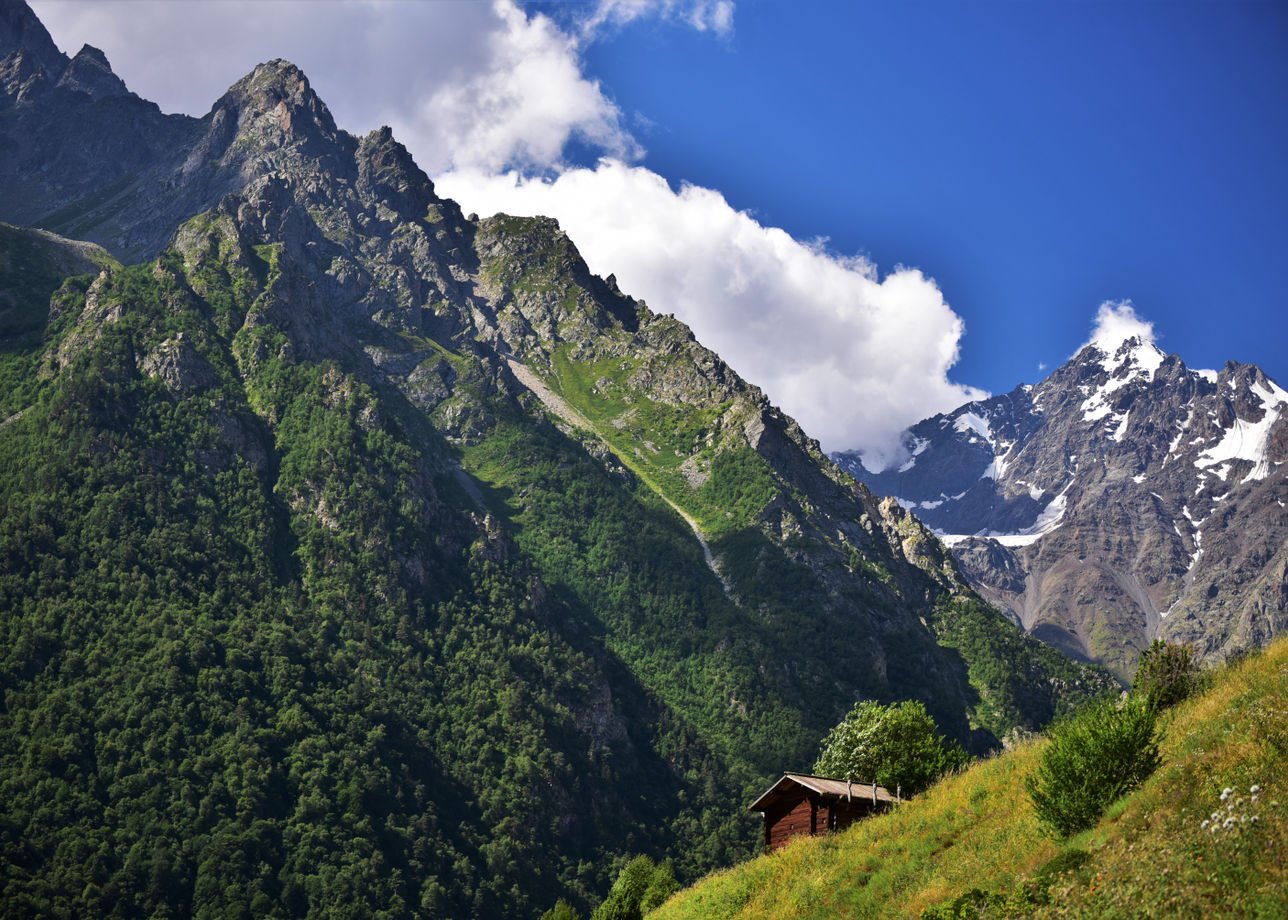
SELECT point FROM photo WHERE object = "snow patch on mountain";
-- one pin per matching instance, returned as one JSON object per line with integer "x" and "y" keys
{"x": 1245, "y": 440}
{"x": 1134, "y": 361}
{"x": 1035, "y": 492}
{"x": 969, "y": 421}
{"x": 975, "y": 427}
{"x": 1051, "y": 517}
{"x": 928, "y": 505}
{"x": 1121, "y": 431}
{"x": 919, "y": 445}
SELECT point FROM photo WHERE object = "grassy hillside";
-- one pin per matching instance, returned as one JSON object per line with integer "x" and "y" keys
{"x": 1150, "y": 856}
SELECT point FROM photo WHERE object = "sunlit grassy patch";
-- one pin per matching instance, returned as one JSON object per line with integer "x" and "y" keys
{"x": 964, "y": 832}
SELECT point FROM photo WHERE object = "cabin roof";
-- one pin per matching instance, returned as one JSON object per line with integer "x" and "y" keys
{"x": 822, "y": 785}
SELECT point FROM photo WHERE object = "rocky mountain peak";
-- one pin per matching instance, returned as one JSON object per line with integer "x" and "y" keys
{"x": 1093, "y": 504}
{"x": 276, "y": 97}
{"x": 89, "y": 72}
{"x": 387, "y": 172}
{"x": 1125, "y": 359}
{"x": 272, "y": 122}
{"x": 21, "y": 32}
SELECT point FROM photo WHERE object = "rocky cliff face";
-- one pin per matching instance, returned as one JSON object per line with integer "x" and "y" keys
{"x": 537, "y": 530}
{"x": 1123, "y": 498}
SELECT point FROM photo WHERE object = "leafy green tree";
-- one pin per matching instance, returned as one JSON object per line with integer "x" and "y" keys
{"x": 896, "y": 746}
{"x": 1167, "y": 674}
{"x": 1092, "y": 760}
{"x": 641, "y": 886}
{"x": 561, "y": 911}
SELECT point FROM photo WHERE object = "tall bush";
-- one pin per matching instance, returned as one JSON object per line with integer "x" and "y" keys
{"x": 1168, "y": 672}
{"x": 1092, "y": 760}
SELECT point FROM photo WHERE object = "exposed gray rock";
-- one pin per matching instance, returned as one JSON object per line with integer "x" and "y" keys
{"x": 21, "y": 31}
{"x": 178, "y": 365}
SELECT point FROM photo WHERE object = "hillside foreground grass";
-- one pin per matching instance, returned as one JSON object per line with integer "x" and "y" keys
{"x": 1205, "y": 836}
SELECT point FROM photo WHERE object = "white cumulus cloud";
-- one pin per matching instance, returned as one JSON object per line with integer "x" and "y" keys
{"x": 854, "y": 357}
{"x": 1116, "y": 322}
{"x": 523, "y": 108}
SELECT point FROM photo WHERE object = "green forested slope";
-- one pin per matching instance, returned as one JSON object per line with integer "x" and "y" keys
{"x": 265, "y": 644}
{"x": 225, "y": 691}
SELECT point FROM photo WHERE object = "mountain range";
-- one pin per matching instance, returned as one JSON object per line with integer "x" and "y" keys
{"x": 359, "y": 556}
{"x": 1125, "y": 498}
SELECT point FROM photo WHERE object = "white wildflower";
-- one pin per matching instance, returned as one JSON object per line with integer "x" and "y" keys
{"x": 1226, "y": 793}
{"x": 1255, "y": 789}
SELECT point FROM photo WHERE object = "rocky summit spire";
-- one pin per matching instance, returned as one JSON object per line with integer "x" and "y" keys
{"x": 277, "y": 98}
{"x": 89, "y": 72}
{"x": 388, "y": 173}
{"x": 21, "y": 31}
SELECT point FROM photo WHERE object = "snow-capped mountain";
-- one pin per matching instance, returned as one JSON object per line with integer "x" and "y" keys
{"x": 1124, "y": 497}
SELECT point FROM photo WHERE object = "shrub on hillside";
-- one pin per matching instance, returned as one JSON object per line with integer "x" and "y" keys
{"x": 1091, "y": 761}
{"x": 1167, "y": 674}
{"x": 897, "y": 746}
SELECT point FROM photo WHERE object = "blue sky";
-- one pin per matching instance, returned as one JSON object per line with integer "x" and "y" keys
{"x": 874, "y": 210}
{"x": 1034, "y": 158}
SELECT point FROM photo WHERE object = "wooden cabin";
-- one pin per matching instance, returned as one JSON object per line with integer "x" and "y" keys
{"x": 800, "y": 804}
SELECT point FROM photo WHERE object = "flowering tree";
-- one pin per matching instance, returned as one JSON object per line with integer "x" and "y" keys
{"x": 897, "y": 746}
